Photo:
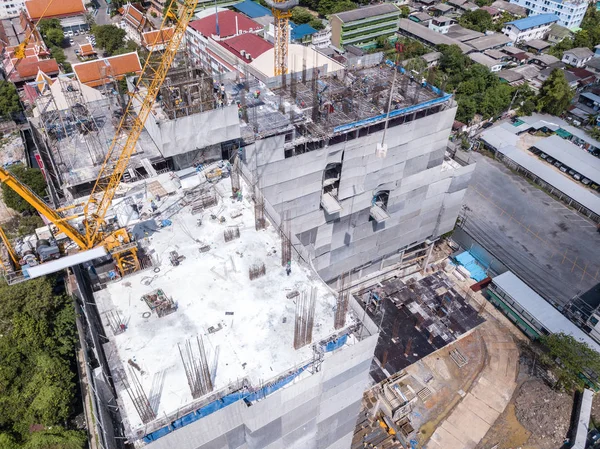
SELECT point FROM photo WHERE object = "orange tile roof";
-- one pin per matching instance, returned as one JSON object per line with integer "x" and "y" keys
{"x": 86, "y": 49}
{"x": 102, "y": 71}
{"x": 29, "y": 67}
{"x": 157, "y": 37}
{"x": 133, "y": 16}
{"x": 58, "y": 8}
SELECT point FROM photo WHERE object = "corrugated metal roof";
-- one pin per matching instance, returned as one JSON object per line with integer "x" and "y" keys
{"x": 414, "y": 29}
{"x": 365, "y": 13}
{"x": 572, "y": 156}
{"x": 490, "y": 41}
{"x": 540, "y": 309}
{"x": 252, "y": 9}
{"x": 534, "y": 21}
{"x": 300, "y": 31}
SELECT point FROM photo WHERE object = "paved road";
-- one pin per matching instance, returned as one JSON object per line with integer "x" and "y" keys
{"x": 102, "y": 17}
{"x": 554, "y": 249}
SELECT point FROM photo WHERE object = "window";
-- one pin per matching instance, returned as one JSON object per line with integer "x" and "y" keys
{"x": 566, "y": 57}
{"x": 593, "y": 320}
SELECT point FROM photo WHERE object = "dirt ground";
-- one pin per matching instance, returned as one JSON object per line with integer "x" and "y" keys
{"x": 536, "y": 418}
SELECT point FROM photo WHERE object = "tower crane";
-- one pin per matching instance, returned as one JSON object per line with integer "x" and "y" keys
{"x": 95, "y": 231}
{"x": 282, "y": 11}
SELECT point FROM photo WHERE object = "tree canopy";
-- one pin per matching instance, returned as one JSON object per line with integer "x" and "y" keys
{"x": 555, "y": 94}
{"x": 54, "y": 36}
{"x": 9, "y": 100}
{"x": 302, "y": 15}
{"x": 31, "y": 177}
{"x": 36, "y": 381}
{"x": 109, "y": 37}
{"x": 478, "y": 20}
{"x": 587, "y": 36}
{"x": 46, "y": 25}
{"x": 571, "y": 359}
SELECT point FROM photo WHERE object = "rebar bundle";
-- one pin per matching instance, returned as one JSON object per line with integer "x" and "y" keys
{"x": 138, "y": 397}
{"x": 231, "y": 234}
{"x": 256, "y": 271}
{"x": 305, "y": 318}
{"x": 286, "y": 241}
{"x": 341, "y": 304}
{"x": 196, "y": 368}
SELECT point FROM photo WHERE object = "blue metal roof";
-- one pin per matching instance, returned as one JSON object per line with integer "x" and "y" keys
{"x": 301, "y": 31}
{"x": 252, "y": 9}
{"x": 533, "y": 21}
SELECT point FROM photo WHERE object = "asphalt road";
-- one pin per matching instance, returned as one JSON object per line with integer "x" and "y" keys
{"x": 554, "y": 249}
{"x": 102, "y": 17}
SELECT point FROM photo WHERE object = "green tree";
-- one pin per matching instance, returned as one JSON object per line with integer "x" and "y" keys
{"x": 478, "y": 20}
{"x": 31, "y": 177}
{"x": 482, "y": 3}
{"x": 171, "y": 8}
{"x": 404, "y": 11}
{"x": 54, "y": 37}
{"x": 326, "y": 7}
{"x": 316, "y": 23}
{"x": 571, "y": 359}
{"x": 467, "y": 107}
{"x": 58, "y": 54}
{"x": 452, "y": 59}
{"x": 109, "y": 37}
{"x": 555, "y": 94}
{"x": 45, "y": 25}
{"x": 56, "y": 438}
{"x": 301, "y": 15}
{"x": 9, "y": 100}
{"x": 595, "y": 132}
{"x": 20, "y": 226}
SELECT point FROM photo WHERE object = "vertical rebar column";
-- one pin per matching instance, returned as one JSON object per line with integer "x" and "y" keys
{"x": 286, "y": 241}
{"x": 310, "y": 318}
{"x": 304, "y": 319}
{"x": 196, "y": 368}
{"x": 259, "y": 210}
{"x": 139, "y": 398}
{"x": 341, "y": 304}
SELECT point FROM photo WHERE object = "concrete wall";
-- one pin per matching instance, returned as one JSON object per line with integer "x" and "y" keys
{"x": 196, "y": 131}
{"x": 317, "y": 411}
{"x": 424, "y": 200}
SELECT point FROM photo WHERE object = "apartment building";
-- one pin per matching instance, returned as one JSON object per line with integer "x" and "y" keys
{"x": 570, "y": 12}
{"x": 363, "y": 26}
{"x": 11, "y": 8}
{"x": 529, "y": 28}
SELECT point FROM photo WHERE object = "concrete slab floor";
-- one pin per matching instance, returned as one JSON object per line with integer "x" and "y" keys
{"x": 549, "y": 245}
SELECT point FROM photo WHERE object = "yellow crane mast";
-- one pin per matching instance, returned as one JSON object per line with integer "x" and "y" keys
{"x": 282, "y": 12}
{"x": 96, "y": 232}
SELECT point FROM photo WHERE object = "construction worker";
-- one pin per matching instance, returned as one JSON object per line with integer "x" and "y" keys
{"x": 239, "y": 195}
{"x": 288, "y": 268}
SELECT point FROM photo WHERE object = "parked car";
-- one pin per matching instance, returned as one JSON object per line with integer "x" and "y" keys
{"x": 69, "y": 34}
{"x": 550, "y": 160}
{"x": 586, "y": 181}
{"x": 572, "y": 172}
{"x": 71, "y": 41}
{"x": 594, "y": 186}
{"x": 557, "y": 164}
{"x": 577, "y": 176}
{"x": 543, "y": 155}
{"x": 563, "y": 169}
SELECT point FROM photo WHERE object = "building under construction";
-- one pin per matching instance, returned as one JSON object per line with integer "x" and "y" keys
{"x": 356, "y": 162}
{"x": 228, "y": 338}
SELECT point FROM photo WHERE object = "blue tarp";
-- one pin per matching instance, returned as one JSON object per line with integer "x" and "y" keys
{"x": 335, "y": 344}
{"x": 222, "y": 403}
{"x": 468, "y": 261}
{"x": 252, "y": 9}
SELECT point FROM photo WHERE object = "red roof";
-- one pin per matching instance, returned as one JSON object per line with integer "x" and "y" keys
{"x": 491, "y": 10}
{"x": 58, "y": 8}
{"x": 29, "y": 67}
{"x": 249, "y": 43}
{"x": 132, "y": 15}
{"x": 227, "y": 24}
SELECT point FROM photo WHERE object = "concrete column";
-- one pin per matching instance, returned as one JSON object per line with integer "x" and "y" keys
{"x": 428, "y": 257}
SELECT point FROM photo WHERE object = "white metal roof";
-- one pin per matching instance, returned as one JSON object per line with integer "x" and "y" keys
{"x": 557, "y": 180}
{"x": 540, "y": 309}
{"x": 572, "y": 156}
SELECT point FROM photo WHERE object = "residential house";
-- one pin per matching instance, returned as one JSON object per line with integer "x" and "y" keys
{"x": 441, "y": 9}
{"x": 490, "y": 41}
{"x": 490, "y": 63}
{"x": 494, "y": 12}
{"x": 593, "y": 66}
{"x": 533, "y": 27}
{"x": 11, "y": 8}
{"x": 558, "y": 33}
{"x": 463, "y": 5}
{"x": 537, "y": 45}
{"x": 463, "y": 34}
{"x": 252, "y": 9}
{"x": 429, "y": 37}
{"x": 432, "y": 58}
{"x": 364, "y": 25}
{"x": 511, "y": 8}
{"x": 496, "y": 55}
{"x": 134, "y": 22}
{"x": 577, "y": 57}
{"x": 571, "y": 78}
{"x": 421, "y": 17}
{"x": 302, "y": 34}
{"x": 570, "y": 12}
{"x": 86, "y": 51}
{"x": 544, "y": 60}
{"x": 597, "y": 51}
{"x": 441, "y": 24}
